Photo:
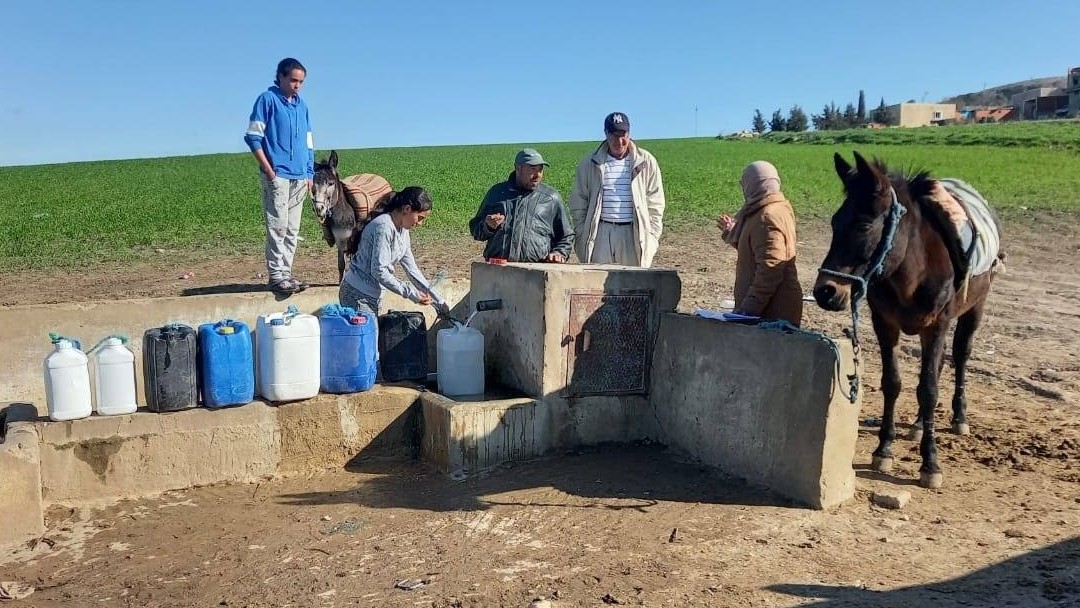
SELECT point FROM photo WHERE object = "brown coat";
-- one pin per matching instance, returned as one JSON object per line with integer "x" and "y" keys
{"x": 766, "y": 281}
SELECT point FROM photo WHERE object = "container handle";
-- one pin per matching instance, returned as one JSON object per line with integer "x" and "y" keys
{"x": 123, "y": 340}
{"x": 55, "y": 338}
{"x": 290, "y": 312}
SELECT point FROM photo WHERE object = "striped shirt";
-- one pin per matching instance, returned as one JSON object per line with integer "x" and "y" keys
{"x": 617, "y": 201}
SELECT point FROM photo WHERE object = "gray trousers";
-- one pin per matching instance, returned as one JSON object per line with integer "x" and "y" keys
{"x": 283, "y": 201}
{"x": 349, "y": 296}
{"x": 615, "y": 244}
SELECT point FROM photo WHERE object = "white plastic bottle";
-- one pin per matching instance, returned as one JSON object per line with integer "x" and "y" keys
{"x": 114, "y": 378}
{"x": 460, "y": 355}
{"x": 67, "y": 382}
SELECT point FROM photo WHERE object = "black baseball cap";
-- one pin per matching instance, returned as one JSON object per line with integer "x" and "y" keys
{"x": 616, "y": 121}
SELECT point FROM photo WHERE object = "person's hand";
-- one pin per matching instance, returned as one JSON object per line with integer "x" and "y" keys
{"x": 494, "y": 221}
{"x": 556, "y": 257}
{"x": 310, "y": 187}
{"x": 725, "y": 222}
{"x": 442, "y": 309}
{"x": 425, "y": 299}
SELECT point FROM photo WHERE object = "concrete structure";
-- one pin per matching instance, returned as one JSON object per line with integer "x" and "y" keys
{"x": 1072, "y": 89}
{"x": 590, "y": 354}
{"x": 21, "y": 507}
{"x": 465, "y": 438}
{"x": 768, "y": 407}
{"x": 26, "y": 328}
{"x": 100, "y": 459}
{"x": 580, "y": 338}
{"x": 920, "y": 114}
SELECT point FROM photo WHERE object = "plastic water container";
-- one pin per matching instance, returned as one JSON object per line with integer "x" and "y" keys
{"x": 67, "y": 382}
{"x": 114, "y": 378}
{"x": 288, "y": 358}
{"x": 403, "y": 346}
{"x": 459, "y": 351}
{"x": 169, "y": 368}
{"x": 226, "y": 364}
{"x": 349, "y": 350}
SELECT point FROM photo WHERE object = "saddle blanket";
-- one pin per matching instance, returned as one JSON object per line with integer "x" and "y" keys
{"x": 365, "y": 192}
{"x": 972, "y": 222}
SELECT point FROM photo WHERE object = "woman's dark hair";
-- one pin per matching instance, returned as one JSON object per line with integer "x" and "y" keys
{"x": 286, "y": 66}
{"x": 415, "y": 197}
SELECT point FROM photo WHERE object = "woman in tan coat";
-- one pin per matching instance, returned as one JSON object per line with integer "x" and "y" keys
{"x": 763, "y": 233}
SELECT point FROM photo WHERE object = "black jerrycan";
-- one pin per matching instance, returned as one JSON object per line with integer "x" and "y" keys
{"x": 403, "y": 346}
{"x": 169, "y": 363}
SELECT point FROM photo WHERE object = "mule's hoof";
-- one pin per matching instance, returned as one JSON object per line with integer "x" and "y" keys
{"x": 930, "y": 481}
{"x": 961, "y": 428}
{"x": 915, "y": 434}
{"x": 883, "y": 464}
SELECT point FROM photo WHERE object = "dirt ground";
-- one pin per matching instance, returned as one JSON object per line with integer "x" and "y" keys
{"x": 627, "y": 525}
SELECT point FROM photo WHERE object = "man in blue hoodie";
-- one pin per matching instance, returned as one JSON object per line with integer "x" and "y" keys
{"x": 279, "y": 136}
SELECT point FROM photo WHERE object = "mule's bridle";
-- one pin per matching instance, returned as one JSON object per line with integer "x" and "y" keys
{"x": 326, "y": 205}
{"x": 877, "y": 261}
{"x": 862, "y": 282}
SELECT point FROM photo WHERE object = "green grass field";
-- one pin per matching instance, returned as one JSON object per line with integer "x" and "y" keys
{"x": 73, "y": 214}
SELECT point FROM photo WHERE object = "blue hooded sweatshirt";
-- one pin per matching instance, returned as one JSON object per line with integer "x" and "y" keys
{"x": 283, "y": 130}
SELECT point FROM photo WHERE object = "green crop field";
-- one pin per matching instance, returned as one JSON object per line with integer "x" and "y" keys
{"x": 76, "y": 214}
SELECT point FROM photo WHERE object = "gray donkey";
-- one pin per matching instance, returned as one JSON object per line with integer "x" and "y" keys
{"x": 342, "y": 205}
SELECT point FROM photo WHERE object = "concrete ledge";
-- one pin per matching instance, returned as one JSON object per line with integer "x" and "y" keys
{"x": 105, "y": 458}
{"x": 27, "y": 327}
{"x": 20, "y": 476}
{"x": 463, "y": 438}
{"x": 760, "y": 405}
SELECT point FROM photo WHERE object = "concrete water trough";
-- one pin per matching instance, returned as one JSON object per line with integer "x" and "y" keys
{"x": 576, "y": 356}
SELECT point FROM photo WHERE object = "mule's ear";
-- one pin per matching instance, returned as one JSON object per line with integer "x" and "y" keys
{"x": 862, "y": 166}
{"x": 843, "y": 169}
{"x": 333, "y": 159}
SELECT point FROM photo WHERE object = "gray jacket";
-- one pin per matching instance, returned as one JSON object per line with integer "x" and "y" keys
{"x": 535, "y": 223}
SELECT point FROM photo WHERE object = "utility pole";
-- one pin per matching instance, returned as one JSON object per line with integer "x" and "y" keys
{"x": 695, "y": 121}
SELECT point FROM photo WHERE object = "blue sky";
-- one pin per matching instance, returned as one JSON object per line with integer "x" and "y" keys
{"x": 109, "y": 79}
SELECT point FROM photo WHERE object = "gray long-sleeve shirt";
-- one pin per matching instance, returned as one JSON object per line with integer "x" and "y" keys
{"x": 382, "y": 246}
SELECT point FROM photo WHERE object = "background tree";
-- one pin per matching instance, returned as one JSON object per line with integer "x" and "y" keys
{"x": 881, "y": 114}
{"x": 797, "y": 120}
{"x": 850, "y": 118}
{"x": 777, "y": 122}
{"x": 759, "y": 125}
{"x": 829, "y": 119}
{"x": 862, "y": 106}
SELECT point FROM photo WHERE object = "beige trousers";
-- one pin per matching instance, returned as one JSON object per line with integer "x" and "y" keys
{"x": 615, "y": 244}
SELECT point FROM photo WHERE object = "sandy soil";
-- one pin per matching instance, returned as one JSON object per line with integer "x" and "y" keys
{"x": 620, "y": 525}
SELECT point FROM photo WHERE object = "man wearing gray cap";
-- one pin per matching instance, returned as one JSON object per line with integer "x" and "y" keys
{"x": 617, "y": 201}
{"x": 523, "y": 219}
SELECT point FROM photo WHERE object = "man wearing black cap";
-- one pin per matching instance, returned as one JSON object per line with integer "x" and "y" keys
{"x": 617, "y": 202}
{"x": 523, "y": 219}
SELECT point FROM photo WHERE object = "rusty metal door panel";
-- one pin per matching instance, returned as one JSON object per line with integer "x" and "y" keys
{"x": 608, "y": 344}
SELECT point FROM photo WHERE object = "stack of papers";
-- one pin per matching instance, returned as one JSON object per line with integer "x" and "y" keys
{"x": 726, "y": 316}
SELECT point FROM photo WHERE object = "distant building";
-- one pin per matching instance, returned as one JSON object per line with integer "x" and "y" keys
{"x": 988, "y": 114}
{"x": 1072, "y": 89}
{"x": 920, "y": 114}
{"x": 1043, "y": 102}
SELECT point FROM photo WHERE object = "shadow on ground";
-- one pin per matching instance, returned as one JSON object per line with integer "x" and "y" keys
{"x": 1045, "y": 577}
{"x": 209, "y": 290}
{"x": 608, "y": 477}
